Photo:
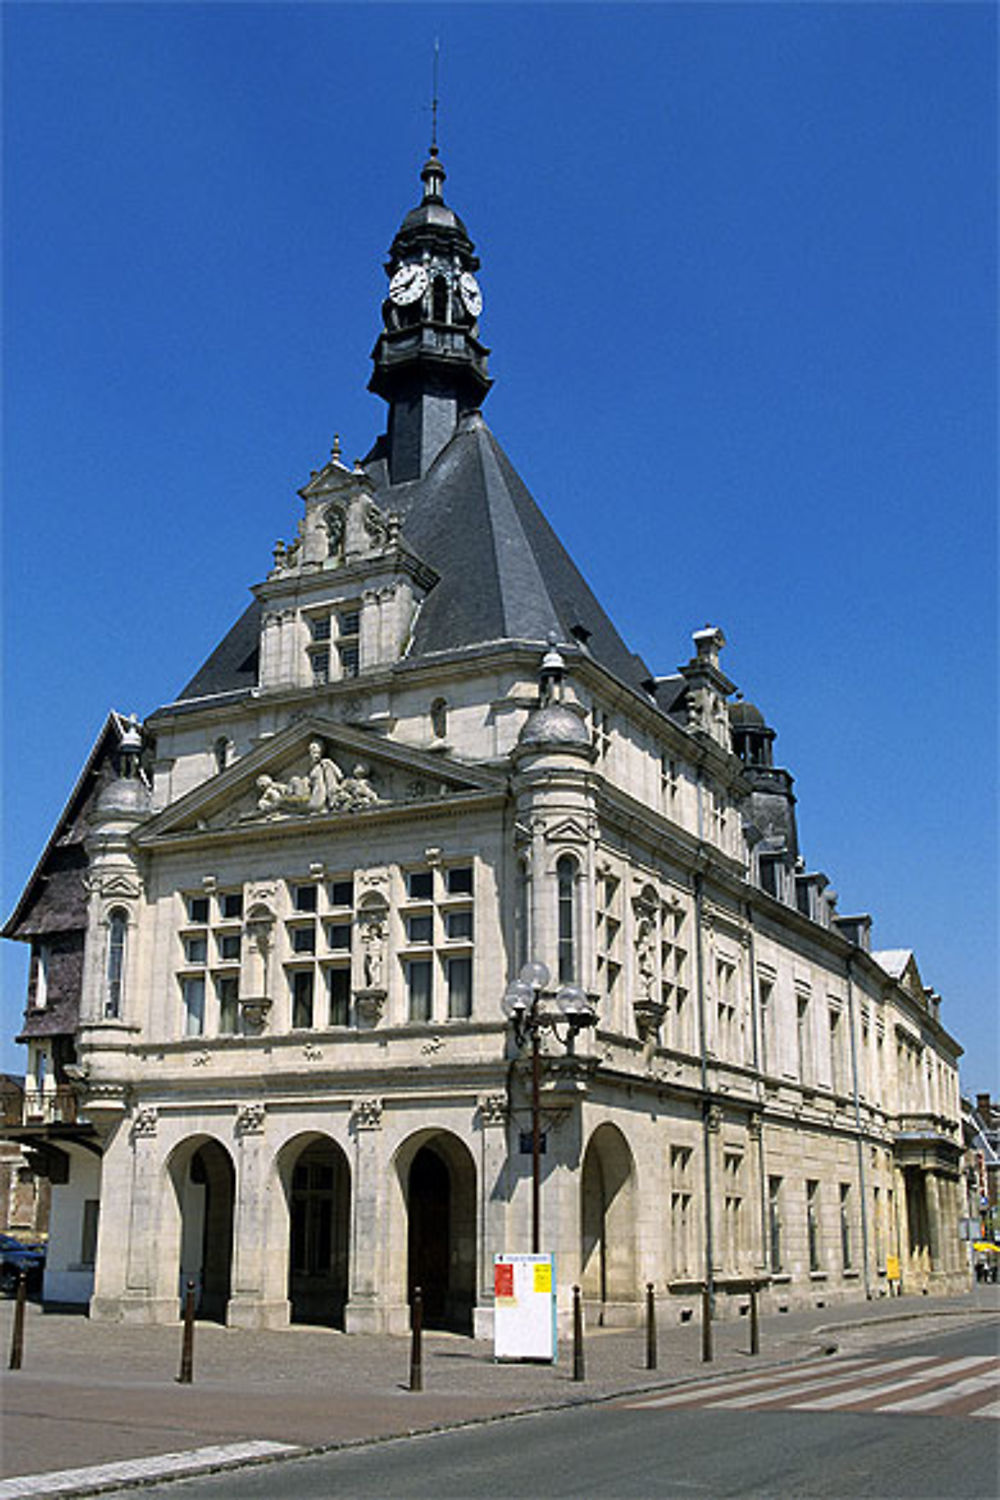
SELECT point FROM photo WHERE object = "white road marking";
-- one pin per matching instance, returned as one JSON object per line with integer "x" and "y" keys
{"x": 798, "y": 1387}
{"x": 985, "y": 1382}
{"x": 718, "y": 1387}
{"x": 867, "y": 1393}
{"x": 159, "y": 1466}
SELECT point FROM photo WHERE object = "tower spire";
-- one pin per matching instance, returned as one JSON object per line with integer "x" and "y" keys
{"x": 434, "y": 99}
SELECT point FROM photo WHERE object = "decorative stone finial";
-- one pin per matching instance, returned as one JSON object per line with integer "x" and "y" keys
{"x": 335, "y": 450}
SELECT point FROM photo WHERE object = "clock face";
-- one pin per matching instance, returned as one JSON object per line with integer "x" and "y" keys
{"x": 471, "y": 295}
{"x": 409, "y": 283}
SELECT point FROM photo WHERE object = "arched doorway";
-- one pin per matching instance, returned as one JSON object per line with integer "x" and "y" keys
{"x": 440, "y": 1189}
{"x": 318, "y": 1188}
{"x": 607, "y": 1223}
{"x": 204, "y": 1181}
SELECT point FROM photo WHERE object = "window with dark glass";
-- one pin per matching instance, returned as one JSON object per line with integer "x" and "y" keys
{"x": 339, "y": 985}
{"x": 566, "y": 884}
{"x": 117, "y": 925}
{"x": 419, "y": 973}
{"x": 227, "y": 989}
{"x": 459, "y": 987}
{"x": 302, "y": 998}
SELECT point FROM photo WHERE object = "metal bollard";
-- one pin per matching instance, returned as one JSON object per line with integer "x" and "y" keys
{"x": 17, "y": 1336}
{"x": 578, "y": 1366}
{"x": 754, "y": 1323}
{"x": 650, "y": 1327}
{"x": 416, "y": 1350}
{"x": 706, "y": 1325}
{"x": 186, "y": 1373}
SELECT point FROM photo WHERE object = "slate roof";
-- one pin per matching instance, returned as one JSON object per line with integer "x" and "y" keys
{"x": 504, "y": 574}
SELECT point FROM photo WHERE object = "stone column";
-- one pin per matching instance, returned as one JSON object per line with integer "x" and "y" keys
{"x": 933, "y": 1201}
{"x": 366, "y": 1311}
{"x": 260, "y": 1256}
{"x": 152, "y": 1257}
{"x": 495, "y": 1139}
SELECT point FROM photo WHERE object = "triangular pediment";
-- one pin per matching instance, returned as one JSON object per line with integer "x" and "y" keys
{"x": 317, "y": 770}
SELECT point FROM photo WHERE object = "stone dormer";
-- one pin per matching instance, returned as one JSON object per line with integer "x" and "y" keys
{"x": 342, "y": 596}
{"x": 708, "y": 687}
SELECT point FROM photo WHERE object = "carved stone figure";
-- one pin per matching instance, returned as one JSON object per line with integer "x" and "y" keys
{"x": 325, "y": 778}
{"x": 356, "y": 790}
{"x": 373, "y": 935}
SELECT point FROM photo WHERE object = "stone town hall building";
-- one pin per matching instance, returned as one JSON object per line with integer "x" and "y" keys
{"x": 272, "y": 932}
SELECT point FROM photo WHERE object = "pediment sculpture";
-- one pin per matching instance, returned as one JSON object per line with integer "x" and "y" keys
{"x": 323, "y": 788}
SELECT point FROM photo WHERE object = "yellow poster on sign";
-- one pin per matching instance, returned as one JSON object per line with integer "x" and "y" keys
{"x": 543, "y": 1277}
{"x": 892, "y": 1268}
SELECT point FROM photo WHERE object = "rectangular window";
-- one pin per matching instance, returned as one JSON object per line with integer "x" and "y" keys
{"x": 320, "y": 629}
{"x": 458, "y": 925}
{"x": 43, "y": 954}
{"x": 197, "y": 909}
{"x": 320, "y": 663}
{"x": 774, "y": 1222}
{"x": 802, "y": 1036}
{"x": 459, "y": 880}
{"x": 420, "y": 929}
{"x": 342, "y": 893}
{"x": 195, "y": 950}
{"x": 231, "y": 905}
{"x": 459, "y": 987}
{"x": 349, "y": 622}
{"x": 304, "y": 897}
{"x": 227, "y": 988}
{"x": 88, "y": 1231}
{"x": 194, "y": 1005}
{"x": 812, "y": 1224}
{"x": 349, "y": 661}
{"x": 420, "y": 884}
{"x": 302, "y": 998}
{"x": 338, "y": 935}
{"x": 418, "y": 981}
{"x": 303, "y": 939}
{"x": 766, "y": 995}
{"x": 229, "y": 946}
{"x": 339, "y": 983}
{"x": 845, "y": 1225}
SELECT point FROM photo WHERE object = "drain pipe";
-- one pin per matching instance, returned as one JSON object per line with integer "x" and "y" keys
{"x": 862, "y": 1186}
{"x": 705, "y": 1104}
{"x": 755, "y": 1019}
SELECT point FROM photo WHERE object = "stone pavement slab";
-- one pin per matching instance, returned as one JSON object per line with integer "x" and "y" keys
{"x": 98, "y": 1393}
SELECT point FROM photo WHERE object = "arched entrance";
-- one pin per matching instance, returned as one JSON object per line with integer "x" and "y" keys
{"x": 607, "y": 1223}
{"x": 439, "y": 1183}
{"x": 204, "y": 1181}
{"x": 318, "y": 1188}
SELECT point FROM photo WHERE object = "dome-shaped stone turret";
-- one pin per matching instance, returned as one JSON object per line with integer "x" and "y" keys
{"x": 556, "y": 724}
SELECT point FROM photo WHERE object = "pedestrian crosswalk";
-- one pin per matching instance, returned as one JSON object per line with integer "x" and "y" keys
{"x": 922, "y": 1385}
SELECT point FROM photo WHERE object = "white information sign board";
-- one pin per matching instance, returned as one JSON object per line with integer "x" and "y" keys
{"x": 524, "y": 1300}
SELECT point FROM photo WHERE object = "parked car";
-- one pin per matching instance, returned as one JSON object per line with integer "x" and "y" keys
{"x": 16, "y": 1257}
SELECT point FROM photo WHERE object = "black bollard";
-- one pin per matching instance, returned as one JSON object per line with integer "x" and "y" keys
{"x": 754, "y": 1323}
{"x": 17, "y": 1336}
{"x": 706, "y": 1325}
{"x": 650, "y": 1327}
{"x": 578, "y": 1367}
{"x": 416, "y": 1350}
{"x": 186, "y": 1374}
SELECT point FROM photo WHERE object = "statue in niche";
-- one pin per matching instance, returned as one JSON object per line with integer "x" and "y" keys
{"x": 334, "y": 518}
{"x": 373, "y": 935}
{"x": 645, "y": 951}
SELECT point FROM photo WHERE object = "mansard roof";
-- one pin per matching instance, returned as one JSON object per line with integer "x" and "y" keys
{"x": 504, "y": 574}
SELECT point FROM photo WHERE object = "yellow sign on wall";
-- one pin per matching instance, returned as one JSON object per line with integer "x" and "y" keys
{"x": 543, "y": 1276}
{"x": 892, "y": 1267}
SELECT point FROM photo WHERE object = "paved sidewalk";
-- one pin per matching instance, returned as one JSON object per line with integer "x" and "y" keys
{"x": 96, "y": 1393}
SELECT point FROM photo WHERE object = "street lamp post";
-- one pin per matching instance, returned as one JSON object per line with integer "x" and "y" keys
{"x": 529, "y": 1017}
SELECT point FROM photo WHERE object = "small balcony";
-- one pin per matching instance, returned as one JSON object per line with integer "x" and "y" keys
{"x": 56, "y": 1106}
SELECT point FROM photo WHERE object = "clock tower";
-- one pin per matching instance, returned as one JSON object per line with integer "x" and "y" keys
{"x": 429, "y": 363}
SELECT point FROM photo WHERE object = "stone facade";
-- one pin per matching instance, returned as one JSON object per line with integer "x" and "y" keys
{"x": 303, "y": 889}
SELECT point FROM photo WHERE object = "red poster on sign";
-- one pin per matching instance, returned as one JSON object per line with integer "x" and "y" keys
{"x": 503, "y": 1280}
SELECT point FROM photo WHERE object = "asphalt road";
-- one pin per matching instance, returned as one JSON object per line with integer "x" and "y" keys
{"x": 825, "y": 1431}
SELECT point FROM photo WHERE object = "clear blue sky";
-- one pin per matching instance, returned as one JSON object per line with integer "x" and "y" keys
{"x": 739, "y": 266}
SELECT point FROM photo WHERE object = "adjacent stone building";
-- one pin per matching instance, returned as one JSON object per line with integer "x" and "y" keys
{"x": 273, "y": 932}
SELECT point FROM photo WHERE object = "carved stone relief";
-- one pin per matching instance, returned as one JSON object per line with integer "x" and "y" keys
{"x": 250, "y": 1119}
{"x": 367, "y": 1114}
